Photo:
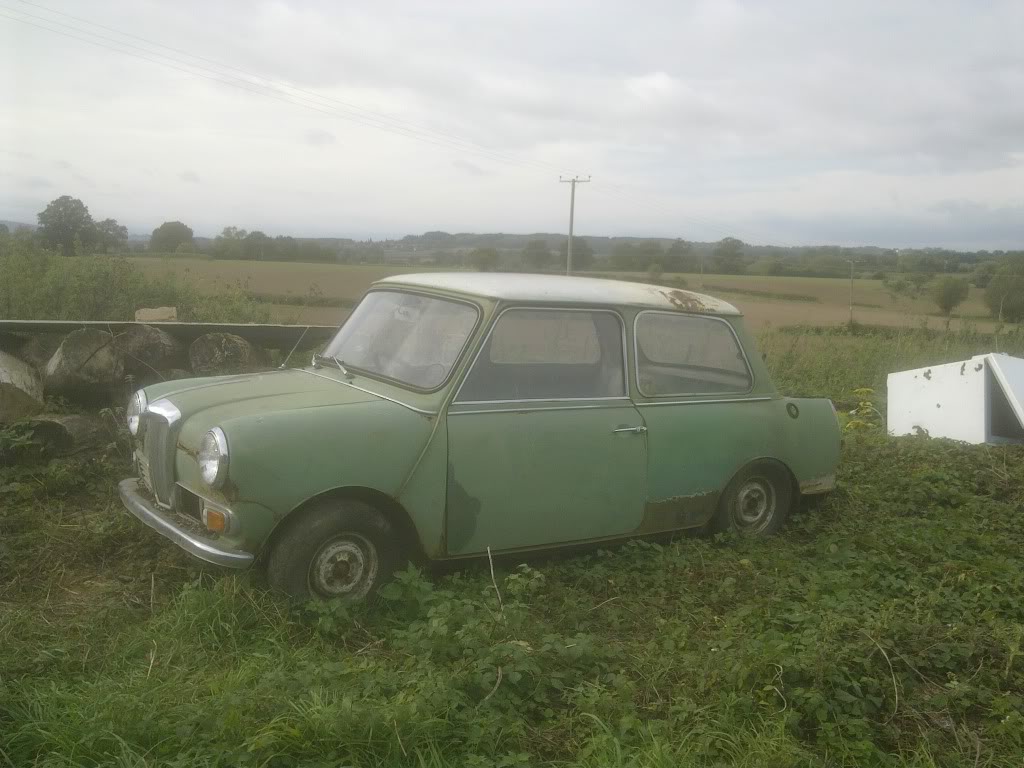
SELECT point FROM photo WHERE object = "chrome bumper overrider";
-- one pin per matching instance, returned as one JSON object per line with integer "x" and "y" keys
{"x": 163, "y": 521}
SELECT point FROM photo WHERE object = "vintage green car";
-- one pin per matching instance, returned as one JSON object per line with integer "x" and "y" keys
{"x": 457, "y": 415}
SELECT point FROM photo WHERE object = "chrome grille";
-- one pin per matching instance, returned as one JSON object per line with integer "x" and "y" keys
{"x": 143, "y": 464}
{"x": 158, "y": 458}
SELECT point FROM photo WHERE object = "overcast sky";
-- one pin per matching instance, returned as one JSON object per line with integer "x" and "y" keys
{"x": 853, "y": 122}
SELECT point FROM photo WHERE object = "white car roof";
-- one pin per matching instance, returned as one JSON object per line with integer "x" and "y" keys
{"x": 563, "y": 289}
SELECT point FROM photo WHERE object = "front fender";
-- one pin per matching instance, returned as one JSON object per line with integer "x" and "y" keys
{"x": 281, "y": 459}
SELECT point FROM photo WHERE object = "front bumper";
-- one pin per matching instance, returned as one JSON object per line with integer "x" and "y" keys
{"x": 164, "y": 522}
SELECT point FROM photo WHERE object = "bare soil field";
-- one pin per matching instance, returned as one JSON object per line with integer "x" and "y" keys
{"x": 321, "y": 294}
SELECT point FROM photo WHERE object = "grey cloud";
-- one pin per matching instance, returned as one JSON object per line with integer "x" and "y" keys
{"x": 705, "y": 98}
{"x": 471, "y": 168}
{"x": 319, "y": 138}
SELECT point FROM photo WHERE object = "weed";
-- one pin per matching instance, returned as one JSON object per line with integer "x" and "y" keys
{"x": 884, "y": 628}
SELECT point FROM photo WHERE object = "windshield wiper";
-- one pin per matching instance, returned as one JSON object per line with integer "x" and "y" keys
{"x": 318, "y": 362}
{"x": 341, "y": 367}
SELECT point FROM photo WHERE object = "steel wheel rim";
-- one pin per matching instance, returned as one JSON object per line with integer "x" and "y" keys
{"x": 345, "y": 566}
{"x": 755, "y": 505}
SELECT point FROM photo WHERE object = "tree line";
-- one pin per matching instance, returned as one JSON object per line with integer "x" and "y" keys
{"x": 67, "y": 227}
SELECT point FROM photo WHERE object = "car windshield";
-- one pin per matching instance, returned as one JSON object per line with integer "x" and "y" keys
{"x": 408, "y": 337}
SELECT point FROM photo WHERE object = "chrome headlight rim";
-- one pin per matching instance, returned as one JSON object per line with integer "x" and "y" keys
{"x": 133, "y": 413}
{"x": 213, "y": 458}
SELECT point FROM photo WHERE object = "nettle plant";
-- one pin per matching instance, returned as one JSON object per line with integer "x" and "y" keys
{"x": 865, "y": 416}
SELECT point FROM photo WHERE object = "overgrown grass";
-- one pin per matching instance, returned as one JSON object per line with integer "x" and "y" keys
{"x": 884, "y": 628}
{"x": 832, "y": 362}
{"x": 36, "y": 284}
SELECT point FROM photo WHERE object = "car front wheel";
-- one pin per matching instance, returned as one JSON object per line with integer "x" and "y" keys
{"x": 342, "y": 549}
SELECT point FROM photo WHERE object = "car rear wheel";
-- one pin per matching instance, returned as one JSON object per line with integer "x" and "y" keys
{"x": 337, "y": 549}
{"x": 756, "y": 502}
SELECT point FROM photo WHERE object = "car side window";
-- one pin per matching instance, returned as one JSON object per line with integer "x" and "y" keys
{"x": 548, "y": 354}
{"x": 688, "y": 355}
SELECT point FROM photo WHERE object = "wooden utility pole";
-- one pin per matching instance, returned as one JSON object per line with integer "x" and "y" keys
{"x": 851, "y": 292}
{"x": 572, "y": 210}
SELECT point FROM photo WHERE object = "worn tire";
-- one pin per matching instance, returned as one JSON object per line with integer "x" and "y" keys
{"x": 756, "y": 502}
{"x": 336, "y": 549}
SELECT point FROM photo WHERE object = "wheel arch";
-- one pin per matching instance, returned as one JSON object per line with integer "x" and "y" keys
{"x": 388, "y": 506}
{"x": 794, "y": 485}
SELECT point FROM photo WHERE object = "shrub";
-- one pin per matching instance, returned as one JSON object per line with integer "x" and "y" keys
{"x": 949, "y": 293}
{"x": 1004, "y": 295}
{"x": 37, "y": 284}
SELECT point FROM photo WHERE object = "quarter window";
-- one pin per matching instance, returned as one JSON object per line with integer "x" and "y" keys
{"x": 687, "y": 355}
{"x": 549, "y": 354}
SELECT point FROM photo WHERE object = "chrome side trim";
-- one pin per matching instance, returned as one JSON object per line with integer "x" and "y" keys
{"x": 706, "y": 402}
{"x": 542, "y": 399}
{"x": 167, "y": 409}
{"x": 197, "y": 546}
{"x": 412, "y": 408}
{"x": 636, "y": 351}
{"x": 617, "y": 404}
{"x": 531, "y": 308}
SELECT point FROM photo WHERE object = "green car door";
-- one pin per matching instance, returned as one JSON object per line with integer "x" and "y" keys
{"x": 544, "y": 444}
{"x": 707, "y": 418}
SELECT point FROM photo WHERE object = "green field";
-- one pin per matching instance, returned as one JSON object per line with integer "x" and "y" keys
{"x": 884, "y": 628}
{"x": 767, "y": 301}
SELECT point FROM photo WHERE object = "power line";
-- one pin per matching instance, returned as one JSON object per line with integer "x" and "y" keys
{"x": 294, "y": 95}
{"x": 349, "y": 111}
{"x": 218, "y": 77}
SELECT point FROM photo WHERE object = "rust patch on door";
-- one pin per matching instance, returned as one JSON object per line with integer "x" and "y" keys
{"x": 678, "y": 512}
{"x": 463, "y": 512}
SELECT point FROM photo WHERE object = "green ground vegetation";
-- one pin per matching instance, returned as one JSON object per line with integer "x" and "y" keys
{"x": 884, "y": 627}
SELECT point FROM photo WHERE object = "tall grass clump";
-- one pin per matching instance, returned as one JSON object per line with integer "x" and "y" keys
{"x": 834, "y": 361}
{"x": 37, "y": 284}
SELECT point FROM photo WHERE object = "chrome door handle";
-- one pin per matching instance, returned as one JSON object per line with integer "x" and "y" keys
{"x": 635, "y": 430}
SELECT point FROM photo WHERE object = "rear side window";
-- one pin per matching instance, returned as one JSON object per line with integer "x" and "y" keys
{"x": 549, "y": 354}
{"x": 688, "y": 355}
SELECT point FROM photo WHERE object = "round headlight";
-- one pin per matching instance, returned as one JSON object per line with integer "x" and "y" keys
{"x": 213, "y": 458}
{"x": 136, "y": 407}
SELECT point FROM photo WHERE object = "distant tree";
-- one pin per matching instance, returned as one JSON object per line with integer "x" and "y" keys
{"x": 949, "y": 293}
{"x": 654, "y": 271}
{"x": 168, "y": 236}
{"x": 228, "y": 244}
{"x": 287, "y": 248}
{"x": 919, "y": 279}
{"x": 4, "y": 230}
{"x": 679, "y": 257}
{"x": 257, "y": 246}
{"x": 624, "y": 256}
{"x": 1004, "y": 295}
{"x": 982, "y": 274}
{"x": 728, "y": 255}
{"x": 65, "y": 223}
{"x": 110, "y": 236}
{"x": 186, "y": 248}
{"x": 582, "y": 254}
{"x": 537, "y": 256}
{"x": 484, "y": 259}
